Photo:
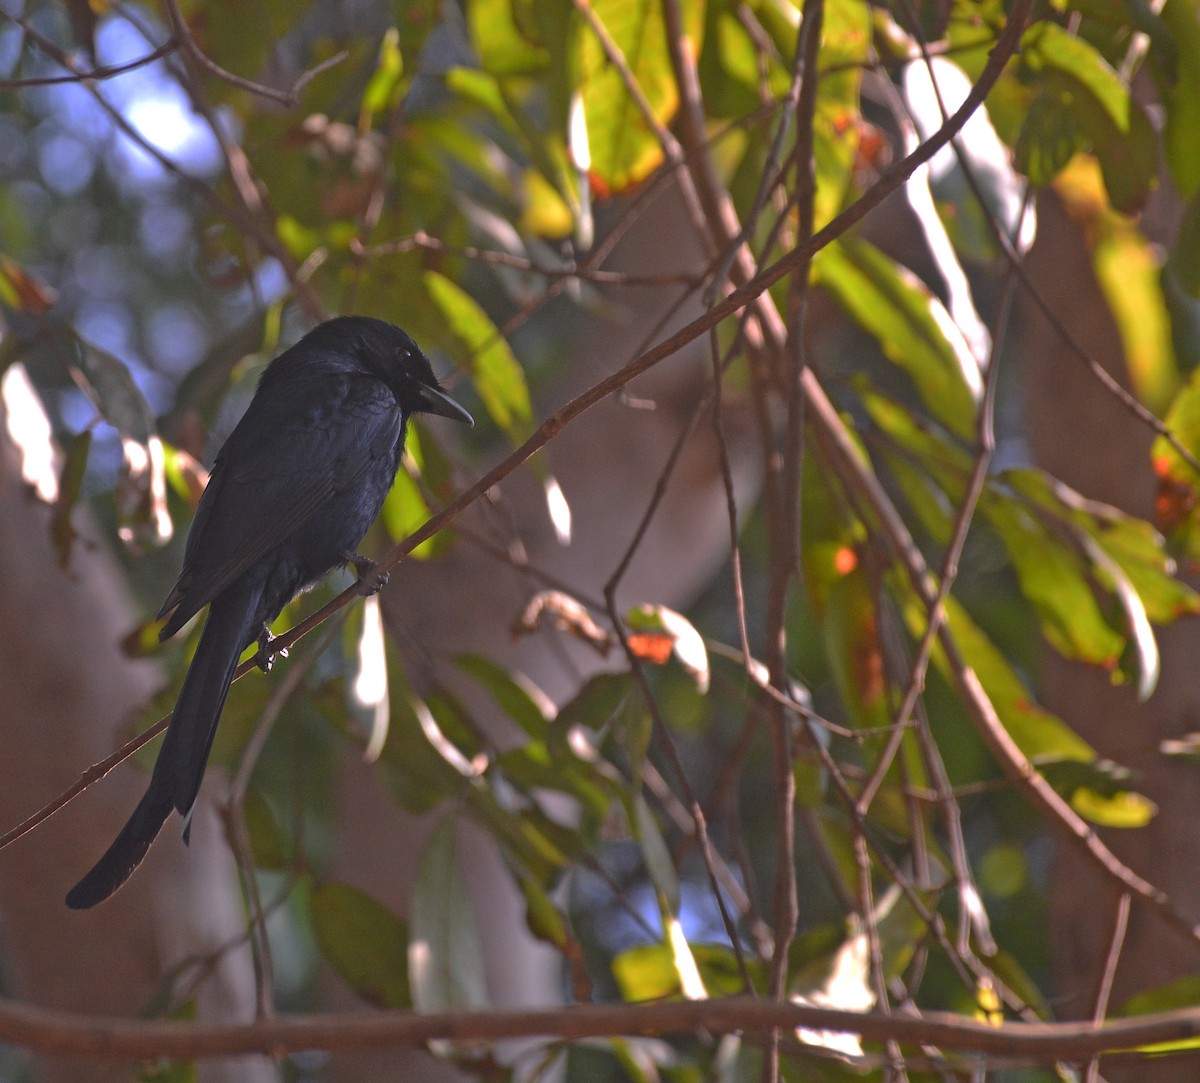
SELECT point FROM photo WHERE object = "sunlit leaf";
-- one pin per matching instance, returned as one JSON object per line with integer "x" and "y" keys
{"x": 1181, "y": 993}
{"x": 934, "y": 88}
{"x": 649, "y": 972}
{"x": 837, "y": 121}
{"x": 498, "y": 376}
{"x": 1040, "y": 735}
{"x": 661, "y": 632}
{"x": 369, "y": 686}
{"x": 559, "y": 509}
{"x": 443, "y": 745}
{"x": 624, "y": 148}
{"x": 1134, "y": 544}
{"x": 1053, "y": 578}
{"x": 911, "y": 325}
{"x": 1102, "y": 106}
{"x": 1125, "y": 809}
{"x": 387, "y": 84}
{"x": 1101, "y": 791}
{"x": 506, "y": 44}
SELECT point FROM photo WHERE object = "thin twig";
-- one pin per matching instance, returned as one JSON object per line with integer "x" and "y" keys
{"x": 1108, "y": 976}
{"x": 289, "y": 97}
{"x": 96, "y": 75}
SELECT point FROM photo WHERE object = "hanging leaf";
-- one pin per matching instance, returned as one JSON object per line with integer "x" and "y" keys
{"x": 364, "y": 942}
{"x": 497, "y": 374}
{"x": 520, "y": 699}
{"x": 911, "y": 325}
{"x": 445, "y": 954}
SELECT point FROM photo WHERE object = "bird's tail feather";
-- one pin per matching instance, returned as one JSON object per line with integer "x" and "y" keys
{"x": 180, "y": 765}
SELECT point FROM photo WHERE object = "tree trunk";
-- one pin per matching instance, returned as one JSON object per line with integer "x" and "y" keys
{"x": 1083, "y": 435}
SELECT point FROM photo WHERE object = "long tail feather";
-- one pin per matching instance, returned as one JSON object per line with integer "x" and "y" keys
{"x": 184, "y": 755}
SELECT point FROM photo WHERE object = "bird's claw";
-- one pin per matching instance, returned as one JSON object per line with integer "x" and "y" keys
{"x": 265, "y": 658}
{"x": 363, "y": 567}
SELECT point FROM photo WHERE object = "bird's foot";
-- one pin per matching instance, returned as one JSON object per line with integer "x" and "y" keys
{"x": 363, "y": 567}
{"x": 265, "y": 658}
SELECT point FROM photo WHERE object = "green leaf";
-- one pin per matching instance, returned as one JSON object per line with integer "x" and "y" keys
{"x": 498, "y": 375}
{"x": 518, "y": 697}
{"x": 1184, "y": 261}
{"x": 1123, "y": 809}
{"x": 837, "y": 121}
{"x": 387, "y": 85}
{"x": 911, "y": 325}
{"x": 1041, "y": 736}
{"x": 1049, "y": 139}
{"x": 599, "y": 702}
{"x": 445, "y": 954}
{"x": 112, "y": 390}
{"x": 506, "y": 44}
{"x": 405, "y": 510}
{"x": 1134, "y": 544}
{"x": 1074, "y": 74}
{"x": 1128, "y": 268}
{"x": 851, "y": 633}
{"x": 1181, "y": 993}
{"x": 364, "y": 942}
{"x": 943, "y": 459}
{"x": 623, "y": 147}
{"x": 416, "y": 773}
{"x": 267, "y": 844}
{"x": 542, "y": 916}
{"x": 1181, "y": 92}
{"x": 648, "y": 971}
{"x": 1048, "y": 45}
{"x": 656, "y": 854}
{"x": 1052, "y": 578}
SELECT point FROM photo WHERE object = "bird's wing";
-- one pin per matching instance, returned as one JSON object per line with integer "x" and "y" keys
{"x": 285, "y": 459}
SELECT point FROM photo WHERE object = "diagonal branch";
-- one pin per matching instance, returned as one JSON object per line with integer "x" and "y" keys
{"x": 888, "y": 182}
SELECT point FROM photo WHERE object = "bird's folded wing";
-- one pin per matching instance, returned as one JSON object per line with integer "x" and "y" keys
{"x": 276, "y": 470}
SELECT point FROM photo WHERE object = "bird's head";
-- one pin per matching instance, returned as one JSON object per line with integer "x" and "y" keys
{"x": 389, "y": 353}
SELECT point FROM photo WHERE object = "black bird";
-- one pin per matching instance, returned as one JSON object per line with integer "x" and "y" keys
{"x": 292, "y": 492}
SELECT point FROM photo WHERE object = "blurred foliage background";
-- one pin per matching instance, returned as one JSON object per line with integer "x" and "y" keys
{"x": 846, "y": 647}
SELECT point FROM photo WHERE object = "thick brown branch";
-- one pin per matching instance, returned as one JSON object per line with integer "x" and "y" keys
{"x": 69, "y": 1035}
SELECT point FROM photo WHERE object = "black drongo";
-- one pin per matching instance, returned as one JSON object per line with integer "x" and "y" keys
{"x": 292, "y": 492}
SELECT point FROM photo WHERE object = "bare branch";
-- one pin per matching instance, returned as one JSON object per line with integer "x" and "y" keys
{"x": 94, "y": 75}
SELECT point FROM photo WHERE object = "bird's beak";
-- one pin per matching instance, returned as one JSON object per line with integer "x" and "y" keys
{"x": 434, "y": 401}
